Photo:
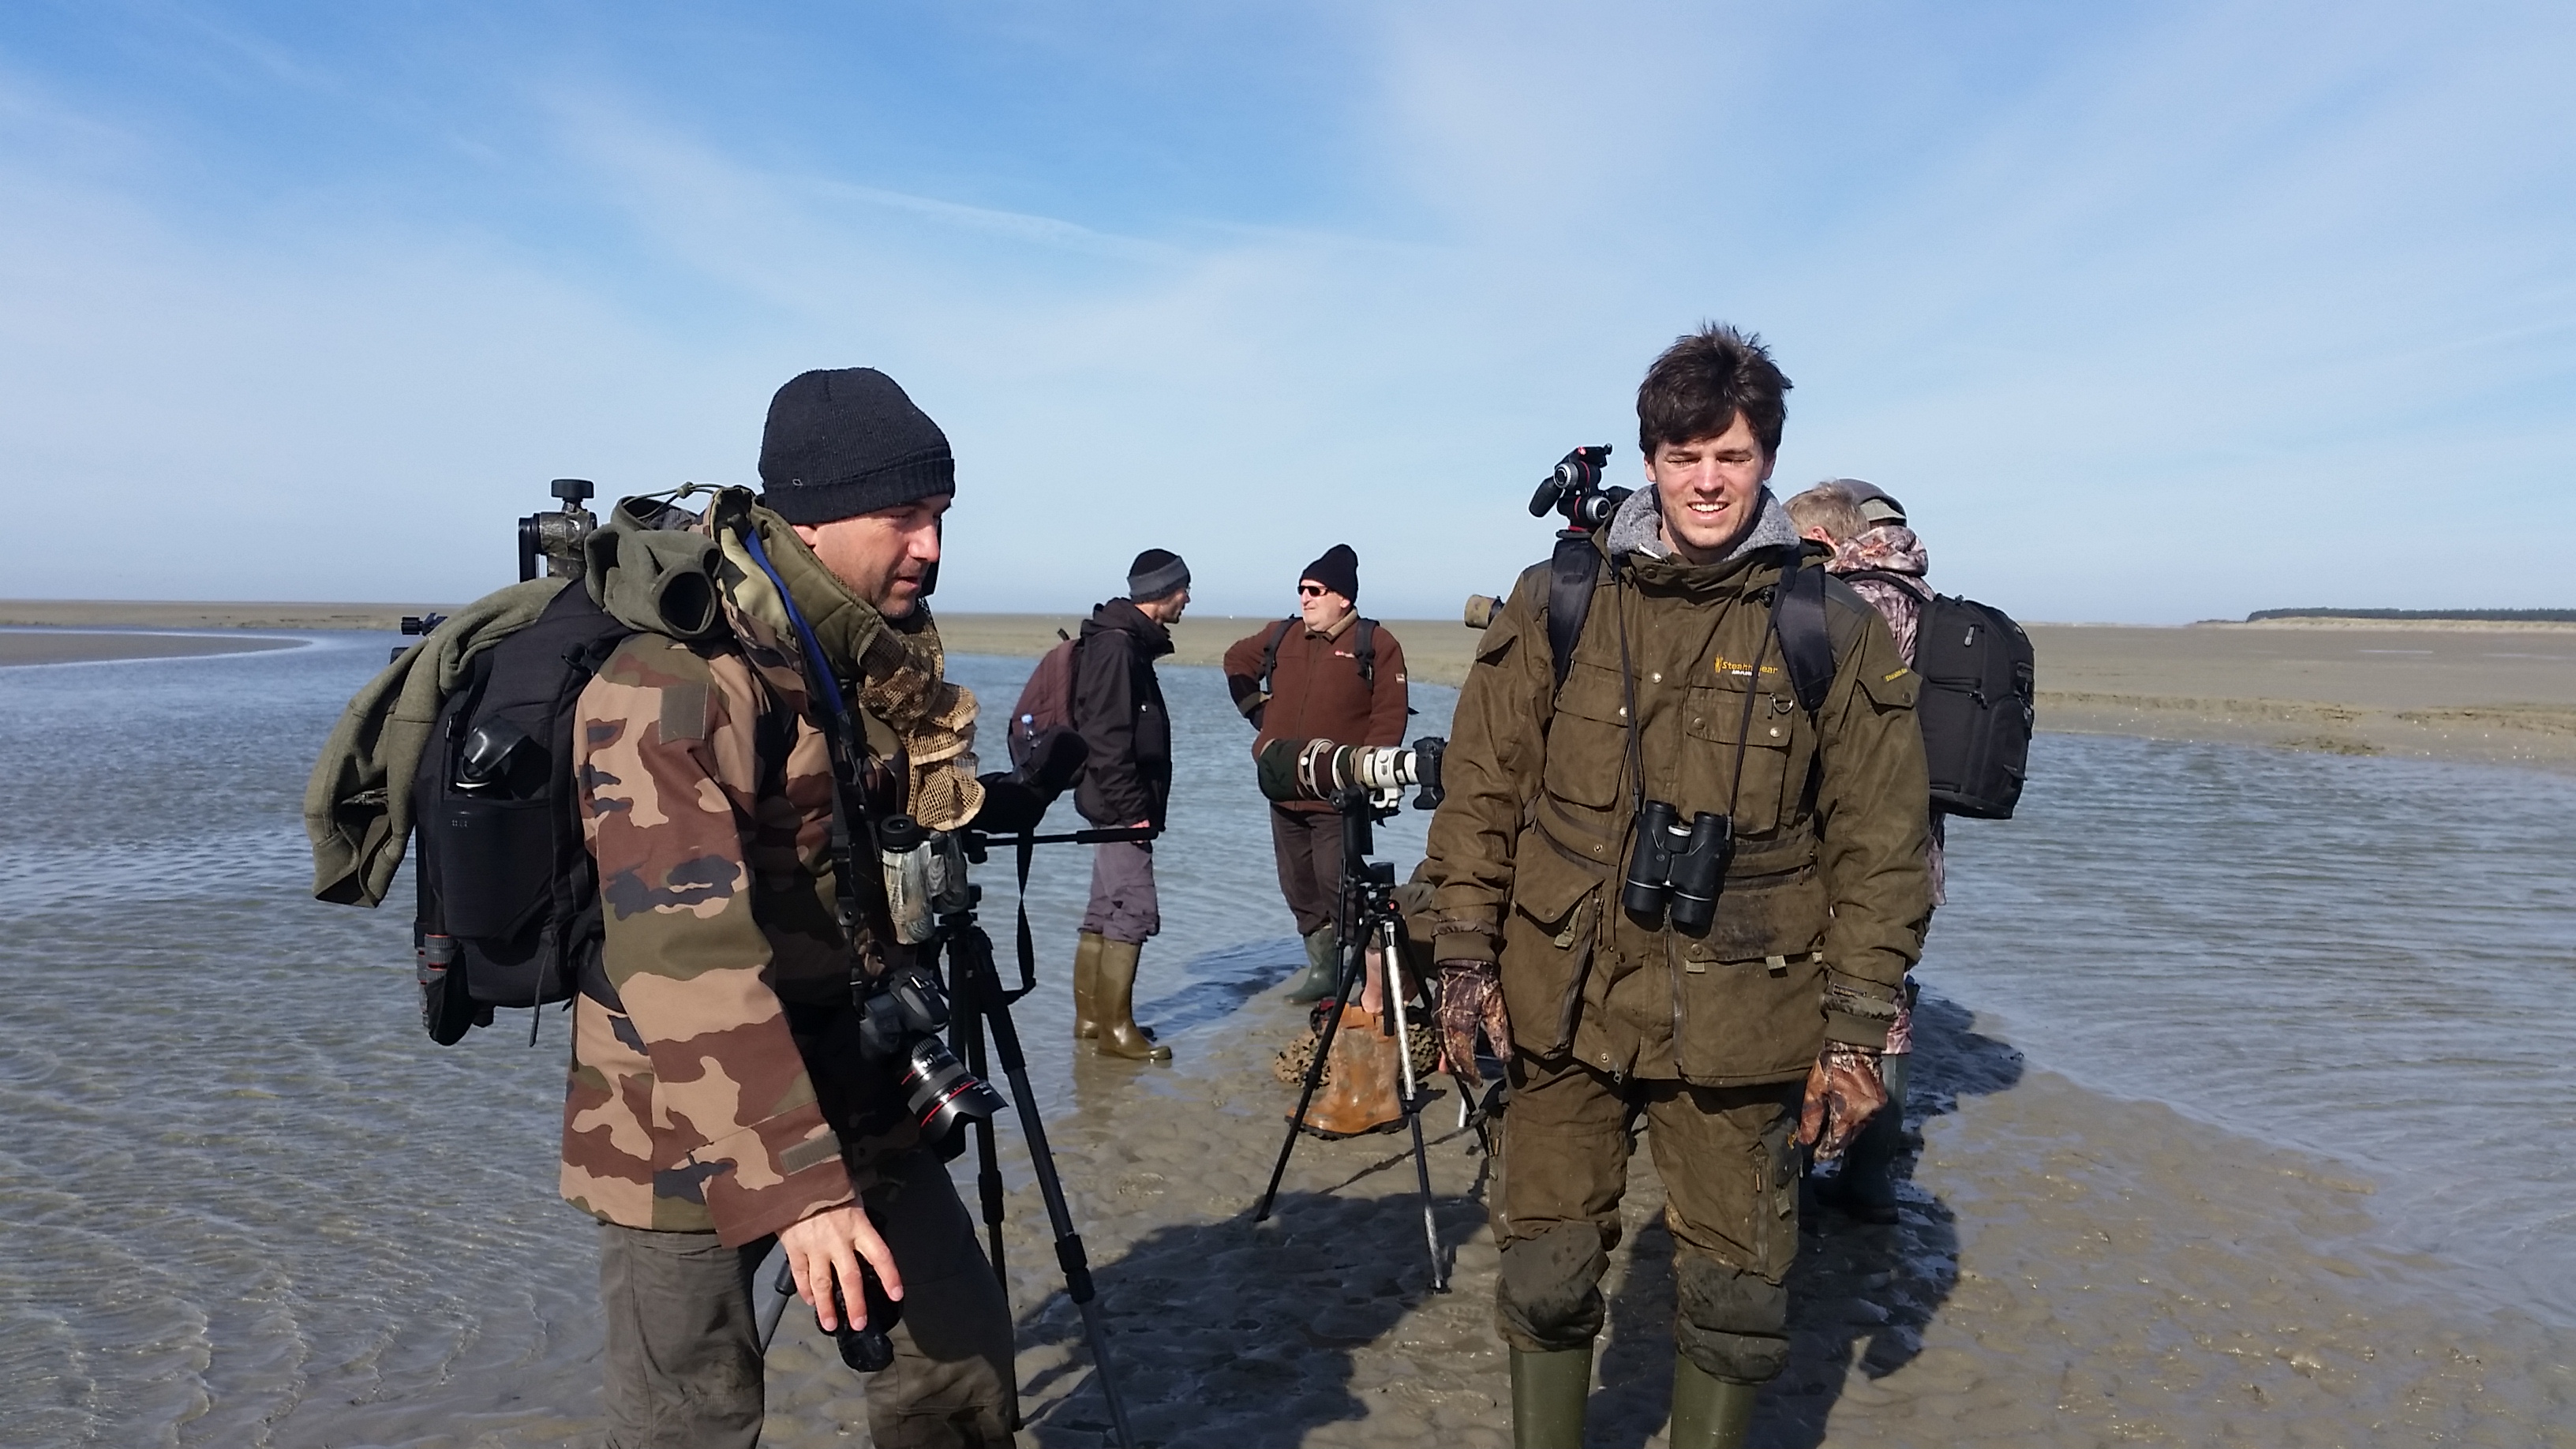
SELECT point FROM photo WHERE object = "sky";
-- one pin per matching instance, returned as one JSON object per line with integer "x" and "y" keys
{"x": 2148, "y": 313}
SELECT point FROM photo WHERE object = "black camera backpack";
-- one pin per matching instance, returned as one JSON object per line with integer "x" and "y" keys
{"x": 1976, "y": 706}
{"x": 509, "y": 895}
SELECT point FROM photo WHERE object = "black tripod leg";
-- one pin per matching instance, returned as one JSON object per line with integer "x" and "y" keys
{"x": 1391, "y": 950}
{"x": 1314, "y": 1075}
{"x": 995, "y": 1010}
{"x": 967, "y": 996}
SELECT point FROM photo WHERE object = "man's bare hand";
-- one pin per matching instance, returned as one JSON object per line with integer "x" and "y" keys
{"x": 1843, "y": 1092}
{"x": 826, "y": 1249}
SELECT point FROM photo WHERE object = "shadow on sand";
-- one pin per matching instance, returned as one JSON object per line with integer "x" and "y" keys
{"x": 1271, "y": 1357}
{"x": 1860, "y": 1296}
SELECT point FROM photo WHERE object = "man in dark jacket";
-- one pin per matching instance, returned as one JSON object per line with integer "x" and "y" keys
{"x": 1327, "y": 674}
{"x": 1118, "y": 707}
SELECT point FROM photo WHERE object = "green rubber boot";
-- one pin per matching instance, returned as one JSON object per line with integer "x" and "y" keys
{"x": 1708, "y": 1412}
{"x": 1316, "y": 981}
{"x": 1549, "y": 1391}
{"x": 1115, "y": 998}
{"x": 1086, "y": 987}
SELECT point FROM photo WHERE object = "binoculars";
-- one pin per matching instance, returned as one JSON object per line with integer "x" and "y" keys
{"x": 1676, "y": 869}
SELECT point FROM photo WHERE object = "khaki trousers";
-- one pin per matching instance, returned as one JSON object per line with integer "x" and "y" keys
{"x": 1730, "y": 1172}
{"x": 683, "y": 1360}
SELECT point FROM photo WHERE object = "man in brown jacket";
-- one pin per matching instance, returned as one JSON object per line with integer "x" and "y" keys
{"x": 718, "y": 1100}
{"x": 1327, "y": 674}
{"x": 1678, "y": 690}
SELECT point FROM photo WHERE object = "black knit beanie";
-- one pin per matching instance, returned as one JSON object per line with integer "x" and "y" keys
{"x": 1155, "y": 573}
{"x": 848, "y": 442}
{"x": 1338, "y": 570}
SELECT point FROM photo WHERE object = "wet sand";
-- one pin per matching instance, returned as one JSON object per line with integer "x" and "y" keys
{"x": 2463, "y": 691}
{"x": 73, "y": 646}
{"x": 2071, "y": 1269}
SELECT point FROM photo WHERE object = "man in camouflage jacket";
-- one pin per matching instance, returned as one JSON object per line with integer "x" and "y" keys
{"x": 1677, "y": 691}
{"x": 717, "y": 1103}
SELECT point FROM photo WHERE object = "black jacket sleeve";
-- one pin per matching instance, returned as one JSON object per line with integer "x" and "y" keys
{"x": 1104, "y": 710}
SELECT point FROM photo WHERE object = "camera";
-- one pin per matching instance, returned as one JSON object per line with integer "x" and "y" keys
{"x": 1575, "y": 490}
{"x": 899, "y": 1023}
{"x": 1677, "y": 869}
{"x": 1320, "y": 770}
{"x": 557, "y": 537}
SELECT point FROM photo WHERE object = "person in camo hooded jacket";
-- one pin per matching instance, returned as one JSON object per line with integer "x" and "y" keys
{"x": 717, "y": 1102}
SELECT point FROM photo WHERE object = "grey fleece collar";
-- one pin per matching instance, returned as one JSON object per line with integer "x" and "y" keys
{"x": 1638, "y": 528}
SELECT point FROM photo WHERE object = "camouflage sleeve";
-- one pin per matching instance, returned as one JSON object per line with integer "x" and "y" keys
{"x": 666, "y": 759}
{"x": 1870, "y": 803}
{"x": 1489, "y": 773}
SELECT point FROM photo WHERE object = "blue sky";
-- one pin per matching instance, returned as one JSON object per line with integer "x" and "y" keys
{"x": 2149, "y": 313}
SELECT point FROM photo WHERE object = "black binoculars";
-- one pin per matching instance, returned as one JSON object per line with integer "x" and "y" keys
{"x": 1676, "y": 869}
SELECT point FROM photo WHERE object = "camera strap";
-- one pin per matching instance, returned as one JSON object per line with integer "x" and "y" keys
{"x": 848, "y": 750}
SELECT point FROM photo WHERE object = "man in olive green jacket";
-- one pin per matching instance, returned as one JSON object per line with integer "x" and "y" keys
{"x": 1678, "y": 692}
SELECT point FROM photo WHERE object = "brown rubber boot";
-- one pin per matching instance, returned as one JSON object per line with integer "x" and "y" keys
{"x": 1114, "y": 994}
{"x": 1086, "y": 987}
{"x": 1362, "y": 1094}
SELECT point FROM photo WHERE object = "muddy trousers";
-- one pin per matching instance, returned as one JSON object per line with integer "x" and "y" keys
{"x": 683, "y": 1361}
{"x": 1730, "y": 1170}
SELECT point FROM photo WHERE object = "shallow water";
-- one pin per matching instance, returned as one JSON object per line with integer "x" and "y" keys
{"x": 248, "y": 1199}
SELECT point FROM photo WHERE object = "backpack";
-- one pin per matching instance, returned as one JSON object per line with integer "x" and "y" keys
{"x": 1976, "y": 706}
{"x": 1797, "y": 618}
{"x": 509, "y": 895}
{"x": 1046, "y": 701}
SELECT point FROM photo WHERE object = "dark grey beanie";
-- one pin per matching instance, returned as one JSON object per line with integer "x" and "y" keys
{"x": 1155, "y": 573}
{"x": 847, "y": 442}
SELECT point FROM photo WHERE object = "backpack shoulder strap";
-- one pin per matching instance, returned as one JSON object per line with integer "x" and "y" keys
{"x": 1365, "y": 648}
{"x": 1573, "y": 572}
{"x": 1806, "y": 644}
{"x": 1270, "y": 650}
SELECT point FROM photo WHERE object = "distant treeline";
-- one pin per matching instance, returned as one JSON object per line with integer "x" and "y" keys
{"x": 2491, "y": 616}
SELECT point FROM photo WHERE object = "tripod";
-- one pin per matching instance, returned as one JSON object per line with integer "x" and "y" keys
{"x": 982, "y": 1004}
{"x": 1367, "y": 913}
{"x": 978, "y": 1004}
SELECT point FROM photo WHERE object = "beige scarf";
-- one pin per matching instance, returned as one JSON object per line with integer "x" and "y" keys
{"x": 897, "y": 664}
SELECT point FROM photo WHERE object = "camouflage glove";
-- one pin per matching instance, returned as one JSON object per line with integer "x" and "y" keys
{"x": 1843, "y": 1092}
{"x": 1471, "y": 996}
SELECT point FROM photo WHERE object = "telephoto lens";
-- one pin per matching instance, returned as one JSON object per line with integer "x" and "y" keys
{"x": 1650, "y": 864}
{"x": 1699, "y": 870}
{"x": 940, "y": 1091}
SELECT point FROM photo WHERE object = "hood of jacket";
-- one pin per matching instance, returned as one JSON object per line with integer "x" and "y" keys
{"x": 1636, "y": 535}
{"x": 1891, "y": 547}
{"x": 1153, "y": 638}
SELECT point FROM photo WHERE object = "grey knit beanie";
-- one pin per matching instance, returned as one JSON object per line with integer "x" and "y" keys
{"x": 1155, "y": 573}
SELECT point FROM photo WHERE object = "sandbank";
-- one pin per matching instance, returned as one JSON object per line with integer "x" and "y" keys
{"x": 75, "y": 646}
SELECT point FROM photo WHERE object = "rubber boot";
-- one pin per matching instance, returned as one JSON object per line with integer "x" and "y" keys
{"x": 1708, "y": 1412}
{"x": 1549, "y": 1392}
{"x": 1316, "y": 981}
{"x": 1866, "y": 1185}
{"x": 1114, "y": 994}
{"x": 1363, "y": 1091}
{"x": 1086, "y": 987}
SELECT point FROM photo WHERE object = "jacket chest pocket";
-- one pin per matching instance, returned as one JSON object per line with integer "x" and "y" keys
{"x": 1588, "y": 740}
{"x": 1718, "y": 732}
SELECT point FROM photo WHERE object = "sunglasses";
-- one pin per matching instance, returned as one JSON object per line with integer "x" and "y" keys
{"x": 1310, "y": 591}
